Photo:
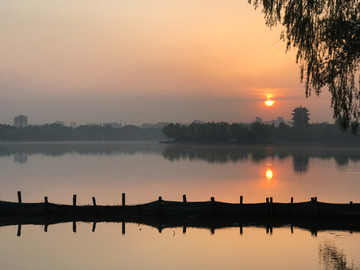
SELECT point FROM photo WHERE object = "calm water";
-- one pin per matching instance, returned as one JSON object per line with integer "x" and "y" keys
{"x": 147, "y": 170}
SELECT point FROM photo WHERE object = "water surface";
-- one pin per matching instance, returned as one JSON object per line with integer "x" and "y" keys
{"x": 145, "y": 171}
{"x": 144, "y": 247}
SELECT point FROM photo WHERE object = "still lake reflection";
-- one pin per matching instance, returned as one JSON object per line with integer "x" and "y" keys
{"x": 146, "y": 170}
{"x": 144, "y": 247}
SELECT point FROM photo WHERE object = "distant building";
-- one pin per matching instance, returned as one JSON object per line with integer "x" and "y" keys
{"x": 113, "y": 125}
{"x": 300, "y": 117}
{"x": 258, "y": 119}
{"x": 157, "y": 125}
{"x": 198, "y": 122}
{"x": 73, "y": 125}
{"x": 20, "y": 121}
{"x": 276, "y": 122}
{"x": 61, "y": 123}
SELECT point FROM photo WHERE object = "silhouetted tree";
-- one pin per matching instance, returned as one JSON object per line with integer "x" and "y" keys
{"x": 55, "y": 132}
{"x": 256, "y": 132}
{"x": 326, "y": 34}
{"x": 261, "y": 132}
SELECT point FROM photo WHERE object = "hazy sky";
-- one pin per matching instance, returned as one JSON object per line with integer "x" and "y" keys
{"x": 145, "y": 61}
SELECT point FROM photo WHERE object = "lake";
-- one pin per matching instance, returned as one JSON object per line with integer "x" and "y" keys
{"x": 147, "y": 170}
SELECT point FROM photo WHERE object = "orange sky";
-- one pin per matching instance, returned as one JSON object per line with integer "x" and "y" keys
{"x": 145, "y": 61}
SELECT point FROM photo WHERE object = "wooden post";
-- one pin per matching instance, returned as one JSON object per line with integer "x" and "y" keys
{"x": 268, "y": 209}
{"x": 74, "y": 200}
{"x": 241, "y": 230}
{"x": 19, "y": 196}
{"x": 184, "y": 198}
{"x": 94, "y": 201}
{"x": 159, "y": 207}
{"x": 241, "y": 207}
{"x": 290, "y": 206}
{"x": 46, "y": 202}
{"x": 351, "y": 202}
{"x": 74, "y": 226}
{"x": 19, "y": 230}
{"x": 212, "y": 206}
{"x": 184, "y": 229}
{"x": 45, "y": 227}
{"x": 271, "y": 230}
{"x": 315, "y": 208}
{"x": 123, "y": 228}
{"x": 93, "y": 227}
{"x": 292, "y": 229}
{"x": 212, "y": 230}
{"x": 267, "y": 229}
{"x": 269, "y": 205}
{"x": 123, "y": 199}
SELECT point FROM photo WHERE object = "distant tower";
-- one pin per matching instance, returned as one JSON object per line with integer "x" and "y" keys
{"x": 20, "y": 121}
{"x": 258, "y": 120}
{"x": 300, "y": 116}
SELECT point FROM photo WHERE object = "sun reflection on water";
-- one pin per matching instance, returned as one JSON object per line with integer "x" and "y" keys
{"x": 269, "y": 174}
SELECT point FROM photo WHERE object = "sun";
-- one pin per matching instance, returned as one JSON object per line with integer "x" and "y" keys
{"x": 269, "y": 102}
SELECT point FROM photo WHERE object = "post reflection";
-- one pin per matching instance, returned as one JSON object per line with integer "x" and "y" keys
{"x": 210, "y": 225}
{"x": 240, "y": 243}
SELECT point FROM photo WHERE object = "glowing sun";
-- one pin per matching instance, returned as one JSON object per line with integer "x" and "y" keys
{"x": 269, "y": 103}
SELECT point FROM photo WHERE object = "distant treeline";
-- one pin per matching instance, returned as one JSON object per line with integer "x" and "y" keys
{"x": 256, "y": 132}
{"x": 56, "y": 132}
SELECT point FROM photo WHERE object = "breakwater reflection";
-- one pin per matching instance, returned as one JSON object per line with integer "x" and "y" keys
{"x": 236, "y": 247}
{"x": 269, "y": 226}
{"x": 329, "y": 254}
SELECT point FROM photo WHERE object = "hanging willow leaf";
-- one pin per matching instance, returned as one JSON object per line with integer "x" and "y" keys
{"x": 326, "y": 35}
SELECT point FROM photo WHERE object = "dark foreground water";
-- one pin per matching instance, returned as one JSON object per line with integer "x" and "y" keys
{"x": 145, "y": 171}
